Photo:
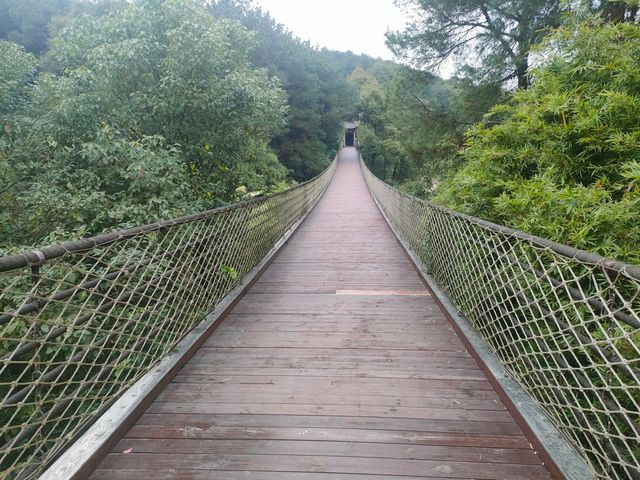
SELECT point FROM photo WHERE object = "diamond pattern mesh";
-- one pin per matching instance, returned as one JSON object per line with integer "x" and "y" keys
{"x": 81, "y": 322}
{"x": 564, "y": 323}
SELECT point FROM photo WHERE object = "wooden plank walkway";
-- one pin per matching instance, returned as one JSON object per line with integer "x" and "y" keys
{"x": 338, "y": 364}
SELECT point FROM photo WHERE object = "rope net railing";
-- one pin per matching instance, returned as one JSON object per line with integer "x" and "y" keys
{"x": 81, "y": 322}
{"x": 564, "y": 323}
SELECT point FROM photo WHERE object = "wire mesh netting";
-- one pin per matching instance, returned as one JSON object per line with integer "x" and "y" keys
{"x": 564, "y": 323}
{"x": 81, "y": 322}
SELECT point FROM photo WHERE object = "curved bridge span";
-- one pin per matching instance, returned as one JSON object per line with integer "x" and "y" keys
{"x": 338, "y": 363}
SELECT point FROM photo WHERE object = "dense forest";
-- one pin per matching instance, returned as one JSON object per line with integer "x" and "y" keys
{"x": 117, "y": 113}
{"x": 537, "y": 129}
{"x": 120, "y": 113}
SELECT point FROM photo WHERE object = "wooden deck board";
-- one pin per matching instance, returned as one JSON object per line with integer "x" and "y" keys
{"x": 337, "y": 365}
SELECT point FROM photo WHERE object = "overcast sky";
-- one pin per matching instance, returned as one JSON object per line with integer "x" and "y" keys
{"x": 356, "y": 25}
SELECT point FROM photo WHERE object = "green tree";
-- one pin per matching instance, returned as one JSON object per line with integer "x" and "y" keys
{"x": 431, "y": 116}
{"x": 32, "y": 23}
{"x": 151, "y": 111}
{"x": 17, "y": 70}
{"x": 371, "y": 98}
{"x": 413, "y": 123}
{"x": 496, "y": 35}
{"x": 616, "y": 11}
{"x": 26, "y": 22}
{"x": 318, "y": 94}
{"x": 562, "y": 160}
{"x": 164, "y": 68}
{"x": 108, "y": 182}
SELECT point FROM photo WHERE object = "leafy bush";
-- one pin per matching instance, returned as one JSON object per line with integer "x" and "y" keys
{"x": 561, "y": 160}
{"x": 149, "y": 112}
{"x": 17, "y": 68}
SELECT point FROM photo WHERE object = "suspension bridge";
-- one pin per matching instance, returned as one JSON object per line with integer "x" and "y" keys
{"x": 338, "y": 330}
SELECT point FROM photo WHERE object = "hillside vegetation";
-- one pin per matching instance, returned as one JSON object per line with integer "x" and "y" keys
{"x": 117, "y": 113}
{"x": 128, "y": 112}
{"x": 562, "y": 159}
{"x": 555, "y": 152}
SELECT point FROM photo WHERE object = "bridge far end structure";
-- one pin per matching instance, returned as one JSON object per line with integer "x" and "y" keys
{"x": 350, "y": 133}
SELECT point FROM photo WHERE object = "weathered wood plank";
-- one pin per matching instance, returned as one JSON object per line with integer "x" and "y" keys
{"x": 281, "y": 357}
{"x": 266, "y": 324}
{"x": 173, "y": 474}
{"x": 329, "y": 464}
{"x": 408, "y": 354}
{"x": 392, "y": 411}
{"x": 358, "y": 435}
{"x": 323, "y": 421}
{"x": 351, "y": 371}
{"x": 436, "y": 341}
{"x": 185, "y": 395}
{"x": 416, "y": 319}
{"x": 329, "y": 448}
{"x": 373, "y": 385}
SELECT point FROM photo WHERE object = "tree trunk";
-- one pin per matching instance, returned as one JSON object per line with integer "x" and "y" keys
{"x": 524, "y": 46}
{"x": 522, "y": 72}
{"x": 615, "y": 11}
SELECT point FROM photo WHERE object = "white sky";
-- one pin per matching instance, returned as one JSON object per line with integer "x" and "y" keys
{"x": 356, "y": 25}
